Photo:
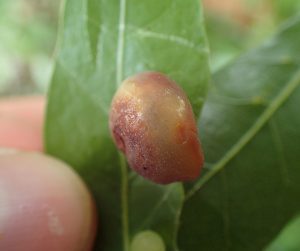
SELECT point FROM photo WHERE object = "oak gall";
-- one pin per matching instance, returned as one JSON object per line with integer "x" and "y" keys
{"x": 152, "y": 123}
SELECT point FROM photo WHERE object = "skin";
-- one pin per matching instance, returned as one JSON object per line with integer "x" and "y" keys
{"x": 21, "y": 122}
{"x": 152, "y": 122}
{"x": 44, "y": 205}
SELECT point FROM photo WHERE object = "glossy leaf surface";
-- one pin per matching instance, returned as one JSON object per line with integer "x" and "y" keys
{"x": 104, "y": 42}
{"x": 250, "y": 128}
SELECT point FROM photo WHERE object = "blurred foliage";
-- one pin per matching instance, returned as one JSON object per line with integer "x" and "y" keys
{"x": 27, "y": 41}
{"x": 234, "y": 26}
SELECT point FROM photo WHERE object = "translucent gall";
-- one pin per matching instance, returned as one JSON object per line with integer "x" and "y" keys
{"x": 152, "y": 123}
{"x": 147, "y": 241}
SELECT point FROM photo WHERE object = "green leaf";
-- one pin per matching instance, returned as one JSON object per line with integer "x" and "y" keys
{"x": 104, "y": 42}
{"x": 250, "y": 128}
{"x": 288, "y": 239}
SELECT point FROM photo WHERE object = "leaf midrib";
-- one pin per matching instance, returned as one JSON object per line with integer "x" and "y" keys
{"x": 273, "y": 106}
{"x": 123, "y": 166}
{"x": 120, "y": 43}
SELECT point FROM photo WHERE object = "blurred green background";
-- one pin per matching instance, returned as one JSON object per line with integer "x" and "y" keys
{"x": 28, "y": 31}
{"x": 27, "y": 41}
{"x": 234, "y": 26}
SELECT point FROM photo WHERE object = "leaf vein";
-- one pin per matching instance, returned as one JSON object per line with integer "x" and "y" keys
{"x": 171, "y": 38}
{"x": 120, "y": 43}
{"x": 119, "y": 77}
{"x": 79, "y": 86}
{"x": 156, "y": 207}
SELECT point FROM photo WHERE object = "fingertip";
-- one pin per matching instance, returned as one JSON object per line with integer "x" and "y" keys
{"x": 44, "y": 205}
